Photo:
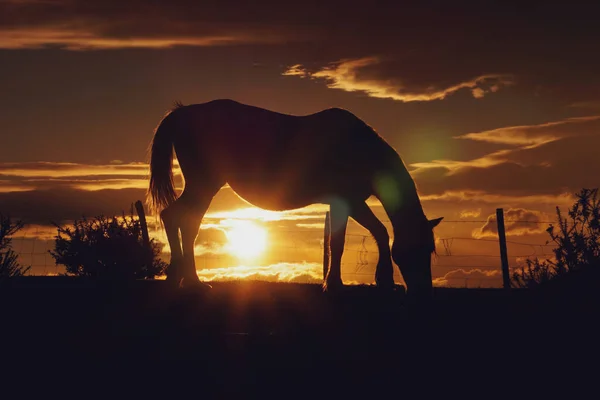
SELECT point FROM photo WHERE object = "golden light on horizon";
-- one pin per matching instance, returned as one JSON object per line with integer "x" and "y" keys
{"x": 245, "y": 239}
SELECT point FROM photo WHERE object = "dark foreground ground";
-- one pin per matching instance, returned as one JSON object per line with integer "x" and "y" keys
{"x": 246, "y": 337}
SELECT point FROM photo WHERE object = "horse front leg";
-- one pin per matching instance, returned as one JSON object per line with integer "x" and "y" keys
{"x": 384, "y": 272}
{"x": 339, "y": 221}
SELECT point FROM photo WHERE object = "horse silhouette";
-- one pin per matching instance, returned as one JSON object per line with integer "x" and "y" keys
{"x": 281, "y": 162}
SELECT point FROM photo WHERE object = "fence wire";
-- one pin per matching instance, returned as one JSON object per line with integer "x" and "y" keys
{"x": 452, "y": 265}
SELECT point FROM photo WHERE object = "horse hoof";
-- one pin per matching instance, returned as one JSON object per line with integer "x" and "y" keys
{"x": 387, "y": 286}
{"x": 333, "y": 286}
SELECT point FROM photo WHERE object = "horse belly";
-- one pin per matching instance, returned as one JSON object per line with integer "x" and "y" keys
{"x": 272, "y": 192}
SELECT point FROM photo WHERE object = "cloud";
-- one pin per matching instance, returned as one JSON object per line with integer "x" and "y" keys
{"x": 524, "y": 137}
{"x": 452, "y": 166}
{"x": 470, "y": 213}
{"x": 71, "y": 38}
{"x": 279, "y": 272}
{"x": 296, "y": 70}
{"x": 37, "y": 231}
{"x": 68, "y": 203}
{"x": 479, "y": 196}
{"x": 470, "y": 278}
{"x": 46, "y": 175}
{"x": 546, "y": 159}
{"x": 80, "y": 25}
{"x": 530, "y": 135}
{"x": 594, "y": 104}
{"x": 207, "y": 247}
{"x": 316, "y": 225}
{"x": 314, "y": 211}
{"x": 360, "y": 75}
{"x": 517, "y": 222}
{"x": 62, "y": 169}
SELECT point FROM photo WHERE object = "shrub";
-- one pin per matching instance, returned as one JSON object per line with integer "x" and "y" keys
{"x": 9, "y": 265}
{"x": 577, "y": 239}
{"x": 107, "y": 248}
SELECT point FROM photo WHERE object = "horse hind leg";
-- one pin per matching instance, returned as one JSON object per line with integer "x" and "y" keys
{"x": 185, "y": 216}
{"x": 194, "y": 204}
{"x": 170, "y": 220}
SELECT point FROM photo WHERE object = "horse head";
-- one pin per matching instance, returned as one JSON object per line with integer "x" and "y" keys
{"x": 413, "y": 246}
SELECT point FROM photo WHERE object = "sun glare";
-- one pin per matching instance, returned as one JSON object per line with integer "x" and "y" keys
{"x": 246, "y": 239}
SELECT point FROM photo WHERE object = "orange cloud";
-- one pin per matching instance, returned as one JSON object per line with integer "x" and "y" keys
{"x": 280, "y": 272}
{"x": 482, "y": 196}
{"x": 524, "y": 137}
{"x": 564, "y": 150}
{"x": 520, "y": 176}
{"x": 28, "y": 176}
{"x": 37, "y": 231}
{"x": 315, "y": 211}
{"x": 529, "y": 135}
{"x": 470, "y": 278}
{"x": 470, "y": 213}
{"x": 316, "y": 225}
{"x": 61, "y": 169}
{"x": 80, "y": 25}
{"x": 77, "y": 38}
{"x": 296, "y": 70}
{"x": 346, "y": 75}
{"x": 452, "y": 166}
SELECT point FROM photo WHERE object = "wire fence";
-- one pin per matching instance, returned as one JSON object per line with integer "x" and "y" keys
{"x": 459, "y": 261}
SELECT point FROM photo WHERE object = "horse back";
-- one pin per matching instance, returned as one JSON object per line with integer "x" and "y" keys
{"x": 260, "y": 149}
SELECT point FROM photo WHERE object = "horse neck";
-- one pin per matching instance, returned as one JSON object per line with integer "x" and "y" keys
{"x": 409, "y": 212}
{"x": 397, "y": 192}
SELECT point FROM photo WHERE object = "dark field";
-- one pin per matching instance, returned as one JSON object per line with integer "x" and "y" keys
{"x": 256, "y": 334}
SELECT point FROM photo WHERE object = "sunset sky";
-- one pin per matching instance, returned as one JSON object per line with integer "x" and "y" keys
{"x": 490, "y": 104}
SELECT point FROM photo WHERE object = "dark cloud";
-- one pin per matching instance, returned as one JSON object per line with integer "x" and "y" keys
{"x": 64, "y": 204}
{"x": 382, "y": 79}
{"x": 517, "y": 222}
{"x": 43, "y": 206}
{"x": 429, "y": 48}
{"x": 431, "y": 53}
{"x": 210, "y": 241}
{"x": 551, "y": 159}
{"x": 81, "y": 25}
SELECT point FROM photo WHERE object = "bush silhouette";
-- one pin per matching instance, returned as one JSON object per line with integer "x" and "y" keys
{"x": 9, "y": 265}
{"x": 107, "y": 248}
{"x": 577, "y": 252}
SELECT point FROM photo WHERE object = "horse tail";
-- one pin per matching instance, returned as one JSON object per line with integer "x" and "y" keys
{"x": 161, "y": 191}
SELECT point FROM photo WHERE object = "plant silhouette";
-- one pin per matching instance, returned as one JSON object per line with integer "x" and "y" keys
{"x": 107, "y": 248}
{"x": 9, "y": 264}
{"x": 577, "y": 239}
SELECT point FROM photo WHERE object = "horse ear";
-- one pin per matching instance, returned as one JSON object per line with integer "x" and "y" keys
{"x": 435, "y": 222}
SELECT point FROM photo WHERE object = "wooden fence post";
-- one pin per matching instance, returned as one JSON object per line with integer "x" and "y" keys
{"x": 145, "y": 236}
{"x": 503, "y": 251}
{"x": 326, "y": 245}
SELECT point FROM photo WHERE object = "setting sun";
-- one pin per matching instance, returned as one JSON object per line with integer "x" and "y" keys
{"x": 246, "y": 239}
